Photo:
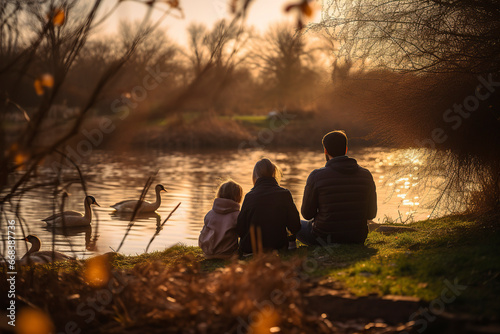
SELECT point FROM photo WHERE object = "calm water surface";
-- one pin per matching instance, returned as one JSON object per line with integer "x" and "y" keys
{"x": 192, "y": 178}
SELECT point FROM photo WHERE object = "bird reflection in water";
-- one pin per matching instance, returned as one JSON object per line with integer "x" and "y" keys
{"x": 127, "y": 216}
{"x": 90, "y": 240}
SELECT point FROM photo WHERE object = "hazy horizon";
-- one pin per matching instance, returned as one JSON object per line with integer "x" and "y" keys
{"x": 261, "y": 15}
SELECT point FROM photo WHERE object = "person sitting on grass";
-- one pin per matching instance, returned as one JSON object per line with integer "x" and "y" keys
{"x": 339, "y": 198}
{"x": 267, "y": 212}
{"x": 218, "y": 238}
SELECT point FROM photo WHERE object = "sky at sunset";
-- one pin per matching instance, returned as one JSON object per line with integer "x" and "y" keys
{"x": 262, "y": 13}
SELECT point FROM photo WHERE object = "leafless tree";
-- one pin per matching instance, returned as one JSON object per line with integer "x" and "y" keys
{"x": 41, "y": 41}
{"x": 285, "y": 62}
{"x": 441, "y": 50}
{"x": 408, "y": 35}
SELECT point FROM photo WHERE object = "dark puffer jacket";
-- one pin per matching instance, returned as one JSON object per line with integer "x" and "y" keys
{"x": 341, "y": 197}
{"x": 271, "y": 208}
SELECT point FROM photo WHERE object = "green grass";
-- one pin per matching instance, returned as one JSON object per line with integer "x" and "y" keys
{"x": 260, "y": 121}
{"x": 255, "y": 120}
{"x": 170, "y": 256}
{"x": 419, "y": 263}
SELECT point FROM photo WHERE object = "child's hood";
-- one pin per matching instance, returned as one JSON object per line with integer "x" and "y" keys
{"x": 225, "y": 206}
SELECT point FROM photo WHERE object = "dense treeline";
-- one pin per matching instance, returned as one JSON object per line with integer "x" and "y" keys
{"x": 248, "y": 73}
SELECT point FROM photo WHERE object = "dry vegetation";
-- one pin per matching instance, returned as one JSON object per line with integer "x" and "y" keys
{"x": 315, "y": 289}
{"x": 263, "y": 294}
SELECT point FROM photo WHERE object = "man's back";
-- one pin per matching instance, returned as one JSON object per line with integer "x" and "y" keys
{"x": 340, "y": 197}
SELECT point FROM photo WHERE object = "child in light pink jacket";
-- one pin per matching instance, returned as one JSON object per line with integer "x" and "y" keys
{"x": 218, "y": 238}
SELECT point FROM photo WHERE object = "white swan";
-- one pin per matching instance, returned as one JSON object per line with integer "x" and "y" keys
{"x": 73, "y": 218}
{"x": 130, "y": 205}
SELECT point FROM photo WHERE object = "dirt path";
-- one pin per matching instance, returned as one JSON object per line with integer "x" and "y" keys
{"x": 388, "y": 314}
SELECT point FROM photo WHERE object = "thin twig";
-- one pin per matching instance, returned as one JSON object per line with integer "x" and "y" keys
{"x": 159, "y": 228}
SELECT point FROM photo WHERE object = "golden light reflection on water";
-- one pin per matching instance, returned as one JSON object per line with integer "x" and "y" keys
{"x": 192, "y": 178}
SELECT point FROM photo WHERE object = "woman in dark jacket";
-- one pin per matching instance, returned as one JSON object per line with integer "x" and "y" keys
{"x": 267, "y": 212}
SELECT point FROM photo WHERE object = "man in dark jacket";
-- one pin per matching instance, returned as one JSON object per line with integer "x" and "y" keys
{"x": 338, "y": 198}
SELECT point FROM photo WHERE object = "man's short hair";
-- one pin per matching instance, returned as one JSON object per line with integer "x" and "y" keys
{"x": 335, "y": 143}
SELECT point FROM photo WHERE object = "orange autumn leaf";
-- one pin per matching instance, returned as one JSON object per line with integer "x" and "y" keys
{"x": 306, "y": 9}
{"x": 20, "y": 159}
{"x": 19, "y": 156}
{"x": 38, "y": 87}
{"x": 268, "y": 323}
{"x": 47, "y": 80}
{"x": 59, "y": 17}
{"x": 31, "y": 321}
{"x": 97, "y": 272}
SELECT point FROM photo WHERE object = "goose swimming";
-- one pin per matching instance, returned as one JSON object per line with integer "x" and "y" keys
{"x": 73, "y": 218}
{"x": 129, "y": 205}
{"x": 34, "y": 255}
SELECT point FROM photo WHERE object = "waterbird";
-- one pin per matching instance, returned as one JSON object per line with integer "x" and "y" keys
{"x": 73, "y": 218}
{"x": 145, "y": 206}
{"x": 34, "y": 255}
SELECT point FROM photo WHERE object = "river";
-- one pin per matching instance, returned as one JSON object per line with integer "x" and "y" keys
{"x": 191, "y": 177}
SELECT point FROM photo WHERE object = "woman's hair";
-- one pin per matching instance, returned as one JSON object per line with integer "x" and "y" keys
{"x": 266, "y": 168}
{"x": 230, "y": 190}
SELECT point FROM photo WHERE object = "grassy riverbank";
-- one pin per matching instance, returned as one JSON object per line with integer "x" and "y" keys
{"x": 451, "y": 261}
{"x": 193, "y": 130}
{"x": 207, "y": 130}
{"x": 458, "y": 249}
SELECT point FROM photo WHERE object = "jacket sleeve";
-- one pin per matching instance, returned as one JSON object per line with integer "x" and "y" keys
{"x": 372, "y": 200}
{"x": 310, "y": 200}
{"x": 293, "y": 221}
